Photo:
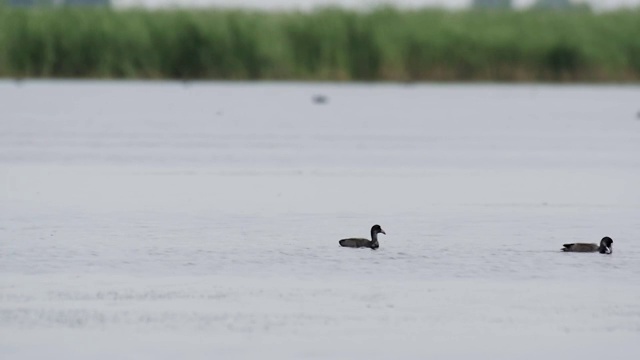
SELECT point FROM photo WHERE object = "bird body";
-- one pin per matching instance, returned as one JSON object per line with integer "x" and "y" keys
{"x": 605, "y": 246}
{"x": 359, "y": 242}
{"x": 364, "y": 243}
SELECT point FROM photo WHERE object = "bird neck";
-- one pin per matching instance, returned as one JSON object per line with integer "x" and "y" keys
{"x": 374, "y": 236}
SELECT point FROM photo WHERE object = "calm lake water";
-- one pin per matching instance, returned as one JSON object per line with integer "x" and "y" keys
{"x": 164, "y": 219}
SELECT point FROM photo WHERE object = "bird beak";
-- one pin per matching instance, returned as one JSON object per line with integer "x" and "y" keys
{"x": 382, "y": 231}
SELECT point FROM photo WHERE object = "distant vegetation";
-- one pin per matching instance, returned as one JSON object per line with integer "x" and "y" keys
{"x": 491, "y": 4}
{"x": 327, "y": 44}
{"x": 57, "y": 2}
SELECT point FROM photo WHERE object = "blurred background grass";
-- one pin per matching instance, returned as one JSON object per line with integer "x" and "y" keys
{"x": 325, "y": 44}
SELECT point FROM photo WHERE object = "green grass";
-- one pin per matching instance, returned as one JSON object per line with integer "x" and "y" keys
{"x": 327, "y": 44}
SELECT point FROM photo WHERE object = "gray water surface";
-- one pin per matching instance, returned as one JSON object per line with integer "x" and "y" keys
{"x": 156, "y": 219}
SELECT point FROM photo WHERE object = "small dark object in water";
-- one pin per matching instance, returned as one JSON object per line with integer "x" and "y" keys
{"x": 604, "y": 248}
{"x": 320, "y": 99}
{"x": 360, "y": 242}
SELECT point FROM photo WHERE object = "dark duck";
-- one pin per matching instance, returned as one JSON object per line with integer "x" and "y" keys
{"x": 364, "y": 243}
{"x": 605, "y": 246}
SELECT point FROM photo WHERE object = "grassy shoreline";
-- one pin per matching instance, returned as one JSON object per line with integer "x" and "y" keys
{"x": 326, "y": 44}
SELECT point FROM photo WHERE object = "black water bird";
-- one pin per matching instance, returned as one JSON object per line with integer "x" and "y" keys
{"x": 361, "y": 242}
{"x": 605, "y": 246}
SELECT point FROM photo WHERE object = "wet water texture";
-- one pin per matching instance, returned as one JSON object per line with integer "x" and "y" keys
{"x": 156, "y": 220}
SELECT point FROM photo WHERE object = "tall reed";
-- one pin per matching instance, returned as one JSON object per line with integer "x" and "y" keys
{"x": 325, "y": 44}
